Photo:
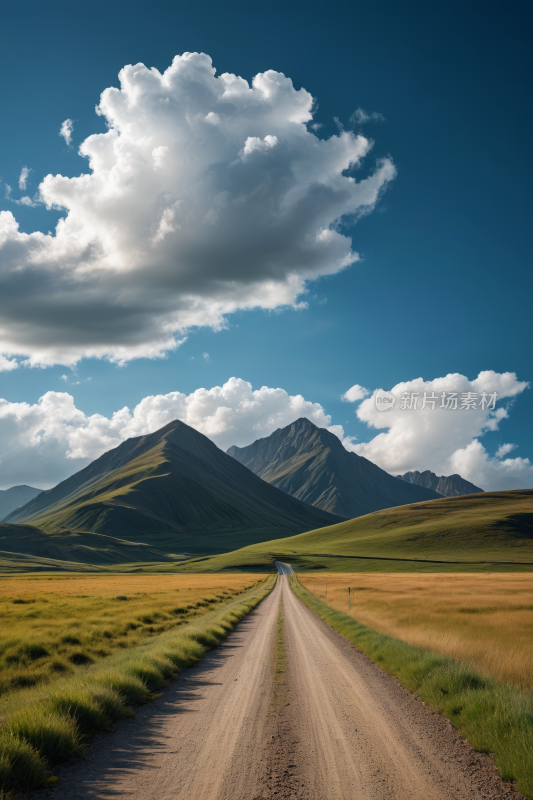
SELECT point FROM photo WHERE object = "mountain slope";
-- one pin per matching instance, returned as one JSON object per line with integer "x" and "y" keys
{"x": 175, "y": 490}
{"x": 447, "y": 486}
{"x": 311, "y": 464}
{"x": 10, "y": 499}
{"x": 473, "y": 532}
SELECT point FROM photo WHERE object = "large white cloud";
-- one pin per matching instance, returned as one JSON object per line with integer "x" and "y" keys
{"x": 43, "y": 443}
{"x": 446, "y": 440}
{"x": 205, "y": 195}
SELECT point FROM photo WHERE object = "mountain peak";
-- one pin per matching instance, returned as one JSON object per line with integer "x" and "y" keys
{"x": 303, "y": 422}
{"x": 311, "y": 464}
{"x": 446, "y": 485}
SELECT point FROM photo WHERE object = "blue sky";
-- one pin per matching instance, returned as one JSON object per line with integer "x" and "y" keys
{"x": 444, "y": 281}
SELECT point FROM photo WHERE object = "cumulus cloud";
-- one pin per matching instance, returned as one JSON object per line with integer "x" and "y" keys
{"x": 23, "y": 179}
{"x": 360, "y": 116}
{"x": 66, "y": 131}
{"x": 206, "y": 194}
{"x": 354, "y": 394}
{"x": 446, "y": 440}
{"x": 43, "y": 443}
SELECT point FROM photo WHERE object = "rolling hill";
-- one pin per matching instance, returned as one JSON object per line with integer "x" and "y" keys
{"x": 10, "y": 499}
{"x": 446, "y": 485}
{"x": 311, "y": 464}
{"x": 25, "y": 547}
{"x": 483, "y": 531}
{"x": 173, "y": 491}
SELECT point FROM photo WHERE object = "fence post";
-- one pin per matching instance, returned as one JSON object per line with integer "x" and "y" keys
{"x": 349, "y": 598}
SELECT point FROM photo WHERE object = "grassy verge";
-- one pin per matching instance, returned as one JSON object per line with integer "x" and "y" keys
{"x": 278, "y": 699}
{"x": 50, "y": 728}
{"x": 494, "y": 718}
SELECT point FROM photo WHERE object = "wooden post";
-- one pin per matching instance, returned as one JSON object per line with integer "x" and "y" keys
{"x": 349, "y": 598}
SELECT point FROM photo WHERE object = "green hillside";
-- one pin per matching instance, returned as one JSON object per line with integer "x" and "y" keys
{"x": 469, "y": 532}
{"x": 157, "y": 498}
{"x": 25, "y": 547}
{"x": 310, "y": 463}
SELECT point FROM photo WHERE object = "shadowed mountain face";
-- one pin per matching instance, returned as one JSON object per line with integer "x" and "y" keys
{"x": 10, "y": 499}
{"x": 311, "y": 464}
{"x": 451, "y": 486}
{"x": 174, "y": 490}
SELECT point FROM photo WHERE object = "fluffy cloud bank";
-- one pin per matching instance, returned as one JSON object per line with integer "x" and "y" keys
{"x": 205, "y": 195}
{"x": 446, "y": 440}
{"x": 43, "y": 443}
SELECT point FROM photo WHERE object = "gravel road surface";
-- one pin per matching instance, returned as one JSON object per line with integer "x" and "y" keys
{"x": 334, "y": 727}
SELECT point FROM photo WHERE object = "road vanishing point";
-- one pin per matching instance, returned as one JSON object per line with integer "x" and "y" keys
{"x": 335, "y": 727}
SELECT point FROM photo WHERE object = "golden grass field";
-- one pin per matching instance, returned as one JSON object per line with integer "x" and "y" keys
{"x": 485, "y": 620}
{"x": 52, "y": 625}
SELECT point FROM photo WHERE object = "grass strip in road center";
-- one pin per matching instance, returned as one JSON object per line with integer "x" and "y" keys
{"x": 280, "y": 656}
{"x": 51, "y": 729}
{"x": 494, "y": 718}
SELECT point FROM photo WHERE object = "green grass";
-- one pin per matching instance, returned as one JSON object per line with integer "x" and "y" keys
{"x": 494, "y": 718}
{"x": 47, "y": 634}
{"x": 491, "y": 531}
{"x": 43, "y": 728}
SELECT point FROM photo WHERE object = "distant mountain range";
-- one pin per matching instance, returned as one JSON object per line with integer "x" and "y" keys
{"x": 173, "y": 490}
{"x": 311, "y": 464}
{"x": 10, "y": 499}
{"x": 451, "y": 486}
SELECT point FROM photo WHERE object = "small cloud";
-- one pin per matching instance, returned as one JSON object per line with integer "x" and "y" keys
{"x": 323, "y": 301}
{"x": 317, "y": 125}
{"x": 23, "y": 201}
{"x": 206, "y": 357}
{"x": 23, "y": 180}
{"x": 7, "y": 364}
{"x": 504, "y": 449}
{"x": 70, "y": 380}
{"x": 339, "y": 124}
{"x": 354, "y": 394}
{"x": 66, "y": 131}
{"x": 360, "y": 116}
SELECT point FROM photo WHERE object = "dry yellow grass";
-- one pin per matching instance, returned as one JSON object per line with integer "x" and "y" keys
{"x": 52, "y": 625}
{"x": 121, "y": 584}
{"x": 485, "y": 620}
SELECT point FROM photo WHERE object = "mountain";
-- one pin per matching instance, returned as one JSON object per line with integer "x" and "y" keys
{"x": 451, "y": 486}
{"x": 491, "y": 531}
{"x": 173, "y": 490}
{"x": 311, "y": 464}
{"x": 10, "y": 499}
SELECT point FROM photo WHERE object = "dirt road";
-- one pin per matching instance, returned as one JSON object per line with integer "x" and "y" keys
{"x": 335, "y": 728}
